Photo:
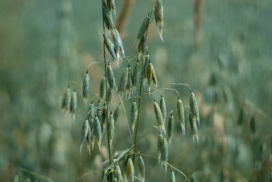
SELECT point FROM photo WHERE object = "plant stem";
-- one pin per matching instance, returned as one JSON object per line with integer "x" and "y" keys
{"x": 139, "y": 106}
{"x": 105, "y": 66}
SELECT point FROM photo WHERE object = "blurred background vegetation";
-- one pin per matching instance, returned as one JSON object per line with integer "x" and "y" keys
{"x": 44, "y": 45}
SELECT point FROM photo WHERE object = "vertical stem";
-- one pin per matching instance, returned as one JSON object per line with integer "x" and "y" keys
{"x": 139, "y": 106}
{"x": 105, "y": 66}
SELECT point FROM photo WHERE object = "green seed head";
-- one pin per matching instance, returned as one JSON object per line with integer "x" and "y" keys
{"x": 97, "y": 131}
{"x": 135, "y": 78}
{"x": 180, "y": 110}
{"x": 116, "y": 113}
{"x": 84, "y": 133}
{"x": 110, "y": 76}
{"x": 171, "y": 124}
{"x": 134, "y": 114}
{"x": 102, "y": 87}
{"x": 130, "y": 170}
{"x": 172, "y": 177}
{"x": 141, "y": 167}
{"x": 86, "y": 85}
{"x": 163, "y": 108}
{"x": 164, "y": 154}
{"x": 111, "y": 128}
{"x": 159, "y": 18}
{"x": 160, "y": 144}
{"x": 73, "y": 105}
{"x": 159, "y": 118}
{"x": 194, "y": 107}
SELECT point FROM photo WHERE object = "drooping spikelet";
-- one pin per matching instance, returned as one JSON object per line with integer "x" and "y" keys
{"x": 142, "y": 30}
{"x": 91, "y": 111}
{"x": 116, "y": 47}
{"x": 172, "y": 176}
{"x": 92, "y": 131}
{"x": 102, "y": 87}
{"x": 141, "y": 47}
{"x": 129, "y": 83}
{"x": 110, "y": 47}
{"x": 99, "y": 110}
{"x": 110, "y": 76}
{"x": 89, "y": 139}
{"x": 159, "y": 143}
{"x": 154, "y": 77}
{"x": 171, "y": 124}
{"x": 149, "y": 75}
{"x": 86, "y": 86}
{"x": 164, "y": 154}
{"x": 118, "y": 174}
{"x": 159, "y": 118}
{"x": 123, "y": 81}
{"x": 125, "y": 168}
{"x": 116, "y": 113}
{"x": 180, "y": 110}
{"x": 159, "y": 16}
{"x": 134, "y": 114}
{"x": 146, "y": 63}
{"x": 141, "y": 167}
{"x": 108, "y": 20}
{"x": 194, "y": 108}
{"x": 135, "y": 78}
{"x": 103, "y": 118}
{"x": 163, "y": 108}
{"x": 119, "y": 40}
{"x": 109, "y": 95}
{"x": 97, "y": 131}
{"x": 84, "y": 133}
{"x": 130, "y": 170}
{"x": 73, "y": 105}
{"x": 193, "y": 126}
{"x": 111, "y": 128}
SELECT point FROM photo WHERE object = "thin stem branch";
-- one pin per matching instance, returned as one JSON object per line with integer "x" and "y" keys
{"x": 139, "y": 107}
{"x": 105, "y": 66}
{"x": 35, "y": 174}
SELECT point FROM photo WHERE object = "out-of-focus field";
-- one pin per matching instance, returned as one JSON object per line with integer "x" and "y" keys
{"x": 42, "y": 51}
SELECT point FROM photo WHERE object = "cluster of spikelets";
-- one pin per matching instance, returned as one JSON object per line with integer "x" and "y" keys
{"x": 97, "y": 121}
{"x": 69, "y": 102}
{"x": 160, "y": 113}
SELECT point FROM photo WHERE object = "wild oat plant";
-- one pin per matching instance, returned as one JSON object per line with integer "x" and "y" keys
{"x": 102, "y": 118}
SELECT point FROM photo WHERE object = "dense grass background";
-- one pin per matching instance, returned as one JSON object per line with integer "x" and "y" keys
{"x": 41, "y": 52}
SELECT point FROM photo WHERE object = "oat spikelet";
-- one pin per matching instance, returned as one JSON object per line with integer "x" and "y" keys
{"x": 159, "y": 16}
{"x": 135, "y": 78}
{"x": 180, "y": 110}
{"x": 109, "y": 95}
{"x": 97, "y": 131}
{"x": 118, "y": 174}
{"x": 92, "y": 131}
{"x": 146, "y": 63}
{"x": 130, "y": 170}
{"x": 73, "y": 105}
{"x": 129, "y": 83}
{"x": 154, "y": 77}
{"x": 171, "y": 124}
{"x": 116, "y": 47}
{"x": 141, "y": 167}
{"x": 172, "y": 176}
{"x": 163, "y": 108}
{"x": 99, "y": 110}
{"x": 134, "y": 114}
{"x": 86, "y": 86}
{"x": 142, "y": 30}
{"x": 159, "y": 118}
{"x": 119, "y": 40}
{"x": 111, "y": 128}
{"x": 102, "y": 87}
{"x": 164, "y": 154}
{"x": 149, "y": 75}
{"x": 141, "y": 47}
{"x": 91, "y": 111}
{"x": 84, "y": 133}
{"x": 110, "y": 47}
{"x": 116, "y": 113}
{"x": 110, "y": 76}
{"x": 103, "y": 118}
{"x": 107, "y": 20}
{"x": 125, "y": 171}
{"x": 123, "y": 82}
{"x": 160, "y": 144}
{"x": 193, "y": 125}
{"x": 259, "y": 156}
{"x": 194, "y": 108}
{"x": 89, "y": 139}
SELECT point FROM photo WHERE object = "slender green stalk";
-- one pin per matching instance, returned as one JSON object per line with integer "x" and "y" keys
{"x": 139, "y": 106}
{"x": 105, "y": 66}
